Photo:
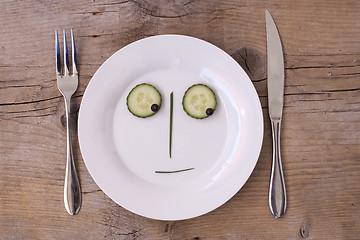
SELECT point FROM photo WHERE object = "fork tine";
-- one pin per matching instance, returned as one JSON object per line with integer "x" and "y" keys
{"x": 74, "y": 62}
{"x": 66, "y": 56}
{"x": 57, "y": 53}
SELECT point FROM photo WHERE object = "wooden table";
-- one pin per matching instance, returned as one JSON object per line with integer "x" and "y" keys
{"x": 320, "y": 133}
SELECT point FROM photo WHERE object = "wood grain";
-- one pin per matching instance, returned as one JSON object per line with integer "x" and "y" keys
{"x": 320, "y": 134}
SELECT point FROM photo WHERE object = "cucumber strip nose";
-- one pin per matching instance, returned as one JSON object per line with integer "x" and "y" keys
{"x": 171, "y": 122}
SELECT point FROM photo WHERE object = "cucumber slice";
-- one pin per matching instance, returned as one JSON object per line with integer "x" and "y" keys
{"x": 144, "y": 100}
{"x": 199, "y": 101}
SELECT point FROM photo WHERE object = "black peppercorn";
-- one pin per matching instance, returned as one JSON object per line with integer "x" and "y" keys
{"x": 154, "y": 107}
{"x": 209, "y": 111}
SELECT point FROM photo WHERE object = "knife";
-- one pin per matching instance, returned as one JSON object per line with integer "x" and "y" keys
{"x": 275, "y": 84}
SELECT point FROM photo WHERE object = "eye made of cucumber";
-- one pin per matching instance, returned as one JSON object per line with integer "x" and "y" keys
{"x": 144, "y": 100}
{"x": 199, "y": 101}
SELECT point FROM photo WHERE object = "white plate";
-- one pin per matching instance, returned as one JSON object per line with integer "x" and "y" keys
{"x": 122, "y": 152}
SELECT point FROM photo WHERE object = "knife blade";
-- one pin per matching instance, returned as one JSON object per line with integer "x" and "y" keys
{"x": 275, "y": 84}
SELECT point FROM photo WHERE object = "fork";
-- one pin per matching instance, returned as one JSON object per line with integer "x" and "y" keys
{"x": 67, "y": 85}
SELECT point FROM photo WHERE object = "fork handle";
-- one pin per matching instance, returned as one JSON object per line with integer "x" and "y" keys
{"x": 277, "y": 192}
{"x": 72, "y": 191}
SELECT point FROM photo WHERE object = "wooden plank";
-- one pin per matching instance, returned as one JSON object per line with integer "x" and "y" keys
{"x": 320, "y": 134}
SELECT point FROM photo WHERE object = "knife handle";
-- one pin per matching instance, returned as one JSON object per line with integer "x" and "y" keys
{"x": 277, "y": 192}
